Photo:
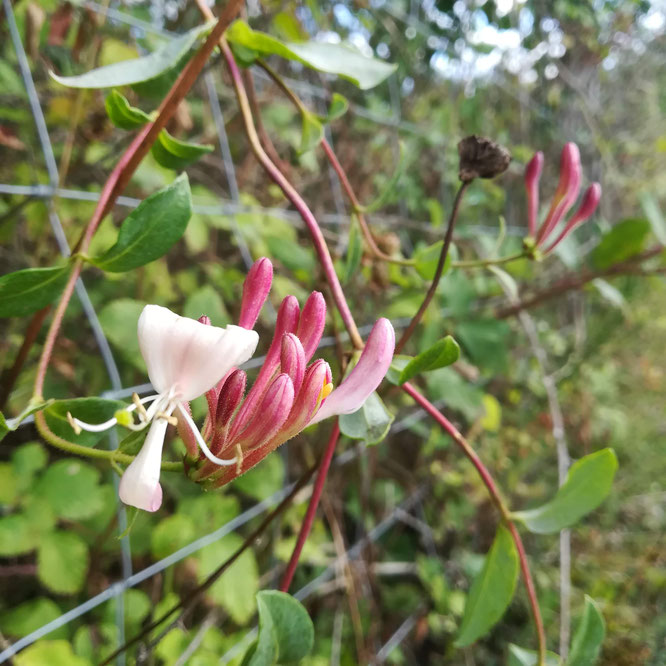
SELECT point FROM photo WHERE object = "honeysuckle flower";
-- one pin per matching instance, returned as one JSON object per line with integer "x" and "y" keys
{"x": 288, "y": 394}
{"x": 185, "y": 358}
{"x": 563, "y": 200}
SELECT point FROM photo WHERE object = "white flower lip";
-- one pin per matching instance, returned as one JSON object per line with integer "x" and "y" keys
{"x": 187, "y": 356}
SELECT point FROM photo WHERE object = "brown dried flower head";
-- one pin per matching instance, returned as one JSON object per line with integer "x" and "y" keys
{"x": 481, "y": 157}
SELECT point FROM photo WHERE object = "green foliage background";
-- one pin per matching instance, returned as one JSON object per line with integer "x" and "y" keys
{"x": 58, "y": 542}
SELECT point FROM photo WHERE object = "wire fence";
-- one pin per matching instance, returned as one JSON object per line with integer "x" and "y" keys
{"x": 405, "y": 512}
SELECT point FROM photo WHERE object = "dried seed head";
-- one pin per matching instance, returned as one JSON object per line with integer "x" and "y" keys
{"x": 481, "y": 158}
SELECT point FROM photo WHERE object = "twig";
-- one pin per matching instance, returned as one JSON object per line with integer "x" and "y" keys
{"x": 438, "y": 272}
{"x": 495, "y": 496}
{"x": 312, "y": 507}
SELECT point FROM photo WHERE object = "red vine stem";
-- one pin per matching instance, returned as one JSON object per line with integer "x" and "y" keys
{"x": 312, "y": 507}
{"x": 124, "y": 170}
{"x": 488, "y": 481}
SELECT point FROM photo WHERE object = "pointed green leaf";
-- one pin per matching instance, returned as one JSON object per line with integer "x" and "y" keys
{"x": 341, "y": 59}
{"x": 444, "y": 352}
{"x": 139, "y": 69}
{"x": 31, "y": 289}
{"x": 398, "y": 364}
{"x": 426, "y": 258}
{"x": 654, "y": 215}
{"x": 354, "y": 252}
{"x": 588, "y": 482}
{"x": 285, "y": 624}
{"x": 8, "y": 425}
{"x": 623, "y": 241}
{"x": 492, "y": 589}
{"x": 586, "y": 643}
{"x": 175, "y": 154}
{"x": 390, "y": 187}
{"x": 371, "y": 423}
{"x": 337, "y": 108}
{"x": 122, "y": 114}
{"x": 312, "y": 132}
{"x": 151, "y": 229}
{"x": 520, "y": 657}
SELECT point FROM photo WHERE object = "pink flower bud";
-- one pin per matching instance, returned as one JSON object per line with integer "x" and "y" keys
{"x": 567, "y": 190}
{"x": 532, "y": 176}
{"x": 585, "y": 211}
{"x": 255, "y": 291}
{"x": 365, "y": 377}
{"x": 311, "y": 324}
{"x": 230, "y": 397}
{"x": 309, "y": 398}
{"x": 292, "y": 359}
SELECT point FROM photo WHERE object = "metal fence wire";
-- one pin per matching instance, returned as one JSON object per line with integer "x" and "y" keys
{"x": 225, "y": 207}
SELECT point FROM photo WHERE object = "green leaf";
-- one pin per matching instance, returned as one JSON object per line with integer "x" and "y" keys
{"x": 586, "y": 643}
{"x": 354, "y": 251}
{"x": 654, "y": 215}
{"x": 62, "y": 562}
{"x": 139, "y": 69}
{"x": 588, "y": 482}
{"x": 444, "y": 352}
{"x": 263, "y": 479}
{"x": 72, "y": 489}
{"x": 119, "y": 320}
{"x": 31, "y": 289}
{"x": 336, "y": 109}
{"x": 17, "y": 535}
{"x": 8, "y": 484}
{"x": 340, "y": 59}
{"x": 29, "y": 616}
{"x": 53, "y": 653}
{"x": 237, "y": 586}
{"x": 371, "y": 423}
{"x": 426, "y": 258}
{"x": 389, "y": 188}
{"x": 27, "y": 460}
{"x": 9, "y": 425}
{"x": 150, "y": 230}
{"x": 207, "y": 301}
{"x": 90, "y": 410}
{"x": 122, "y": 114}
{"x": 171, "y": 534}
{"x": 623, "y": 241}
{"x": 398, "y": 364}
{"x": 175, "y": 154}
{"x": 520, "y": 657}
{"x": 312, "y": 132}
{"x": 485, "y": 340}
{"x": 294, "y": 256}
{"x": 492, "y": 589}
{"x": 284, "y": 626}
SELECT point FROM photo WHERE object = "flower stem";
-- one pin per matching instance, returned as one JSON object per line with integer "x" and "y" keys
{"x": 482, "y": 263}
{"x": 312, "y": 507}
{"x": 497, "y": 500}
{"x": 438, "y": 272}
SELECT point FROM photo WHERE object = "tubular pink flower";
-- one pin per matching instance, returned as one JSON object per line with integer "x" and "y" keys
{"x": 185, "y": 358}
{"x": 287, "y": 396}
{"x": 532, "y": 177}
{"x": 365, "y": 377}
{"x": 585, "y": 211}
{"x": 567, "y": 190}
{"x": 255, "y": 292}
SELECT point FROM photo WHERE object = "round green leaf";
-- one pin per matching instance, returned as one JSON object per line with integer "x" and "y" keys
{"x": 62, "y": 562}
{"x": 53, "y": 653}
{"x": 29, "y": 616}
{"x": 171, "y": 534}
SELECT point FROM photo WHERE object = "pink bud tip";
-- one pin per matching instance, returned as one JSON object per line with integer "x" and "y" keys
{"x": 255, "y": 291}
{"x": 585, "y": 211}
{"x": 532, "y": 176}
{"x": 204, "y": 319}
{"x": 230, "y": 397}
{"x": 311, "y": 324}
{"x": 292, "y": 359}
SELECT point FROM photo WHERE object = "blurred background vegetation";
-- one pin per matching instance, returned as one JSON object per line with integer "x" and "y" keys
{"x": 531, "y": 75}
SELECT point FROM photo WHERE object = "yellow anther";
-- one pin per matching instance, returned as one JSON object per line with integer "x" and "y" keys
{"x": 143, "y": 414}
{"x": 239, "y": 459}
{"x": 326, "y": 391}
{"x": 75, "y": 426}
{"x": 172, "y": 420}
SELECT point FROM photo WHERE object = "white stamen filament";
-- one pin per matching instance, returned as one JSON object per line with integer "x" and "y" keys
{"x": 202, "y": 444}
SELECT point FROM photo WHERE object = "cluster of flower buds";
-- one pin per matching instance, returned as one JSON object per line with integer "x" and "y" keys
{"x": 565, "y": 196}
{"x": 188, "y": 358}
{"x": 288, "y": 394}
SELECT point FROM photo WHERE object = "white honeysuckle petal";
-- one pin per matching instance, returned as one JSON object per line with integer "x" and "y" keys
{"x": 140, "y": 483}
{"x": 187, "y": 356}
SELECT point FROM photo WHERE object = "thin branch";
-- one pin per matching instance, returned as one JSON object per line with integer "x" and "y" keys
{"x": 438, "y": 272}
{"x": 495, "y": 496}
{"x": 312, "y": 508}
